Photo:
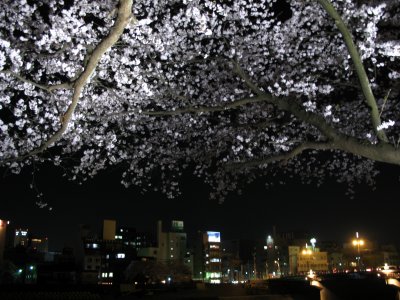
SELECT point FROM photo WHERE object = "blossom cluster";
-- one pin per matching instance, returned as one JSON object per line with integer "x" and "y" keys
{"x": 184, "y": 56}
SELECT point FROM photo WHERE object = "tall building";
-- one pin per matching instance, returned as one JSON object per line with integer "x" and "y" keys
{"x": 105, "y": 260}
{"x": 208, "y": 257}
{"x": 171, "y": 244}
{"x": 109, "y": 229}
{"x": 3, "y": 230}
{"x": 21, "y": 237}
{"x": 134, "y": 239}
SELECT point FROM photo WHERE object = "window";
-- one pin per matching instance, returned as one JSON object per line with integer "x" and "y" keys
{"x": 93, "y": 246}
{"x": 121, "y": 255}
{"x": 215, "y": 260}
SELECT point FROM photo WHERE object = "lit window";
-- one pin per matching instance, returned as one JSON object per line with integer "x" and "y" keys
{"x": 111, "y": 274}
{"x": 104, "y": 275}
{"x": 107, "y": 256}
{"x": 172, "y": 249}
{"x": 215, "y": 260}
{"x": 215, "y": 275}
{"x": 121, "y": 255}
{"x": 172, "y": 256}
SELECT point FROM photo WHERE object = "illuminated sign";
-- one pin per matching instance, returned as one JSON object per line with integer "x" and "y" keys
{"x": 214, "y": 236}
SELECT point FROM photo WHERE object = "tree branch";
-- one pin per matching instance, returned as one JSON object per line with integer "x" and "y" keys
{"x": 191, "y": 110}
{"x": 281, "y": 157}
{"x": 242, "y": 74}
{"x": 123, "y": 19}
{"x": 383, "y": 152}
{"x": 47, "y": 88}
{"x": 362, "y": 75}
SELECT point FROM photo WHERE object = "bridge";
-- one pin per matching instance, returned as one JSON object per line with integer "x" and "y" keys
{"x": 340, "y": 286}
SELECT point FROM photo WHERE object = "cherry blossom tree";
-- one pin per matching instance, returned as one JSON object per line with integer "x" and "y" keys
{"x": 232, "y": 90}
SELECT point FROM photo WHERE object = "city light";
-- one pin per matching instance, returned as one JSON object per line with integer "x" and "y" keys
{"x": 357, "y": 242}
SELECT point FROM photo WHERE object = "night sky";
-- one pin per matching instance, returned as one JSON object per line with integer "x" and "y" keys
{"x": 325, "y": 212}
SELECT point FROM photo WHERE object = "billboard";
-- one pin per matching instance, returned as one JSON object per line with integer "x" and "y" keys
{"x": 214, "y": 236}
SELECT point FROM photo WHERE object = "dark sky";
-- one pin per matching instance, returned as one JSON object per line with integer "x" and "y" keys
{"x": 326, "y": 212}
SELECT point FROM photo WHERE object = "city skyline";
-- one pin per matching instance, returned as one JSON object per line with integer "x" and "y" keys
{"x": 325, "y": 212}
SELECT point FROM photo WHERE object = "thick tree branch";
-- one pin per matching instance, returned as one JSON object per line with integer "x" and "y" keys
{"x": 383, "y": 152}
{"x": 281, "y": 157}
{"x": 362, "y": 75}
{"x": 123, "y": 19}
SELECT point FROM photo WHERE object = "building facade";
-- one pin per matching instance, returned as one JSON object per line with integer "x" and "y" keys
{"x": 172, "y": 245}
{"x": 309, "y": 258}
{"x": 3, "y": 231}
{"x": 208, "y": 257}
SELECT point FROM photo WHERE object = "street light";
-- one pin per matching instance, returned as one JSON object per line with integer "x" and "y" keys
{"x": 357, "y": 242}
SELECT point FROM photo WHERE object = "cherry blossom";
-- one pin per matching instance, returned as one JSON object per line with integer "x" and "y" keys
{"x": 230, "y": 90}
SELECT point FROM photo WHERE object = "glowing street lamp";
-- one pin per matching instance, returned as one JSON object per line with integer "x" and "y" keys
{"x": 313, "y": 241}
{"x": 357, "y": 242}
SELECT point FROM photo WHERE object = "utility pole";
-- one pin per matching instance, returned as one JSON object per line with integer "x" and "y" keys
{"x": 254, "y": 264}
